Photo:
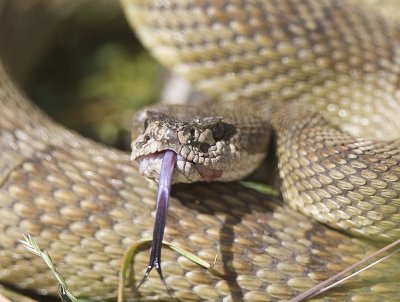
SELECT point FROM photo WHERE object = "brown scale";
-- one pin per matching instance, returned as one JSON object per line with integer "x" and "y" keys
{"x": 86, "y": 204}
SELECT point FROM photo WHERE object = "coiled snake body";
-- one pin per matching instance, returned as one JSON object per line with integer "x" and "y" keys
{"x": 85, "y": 204}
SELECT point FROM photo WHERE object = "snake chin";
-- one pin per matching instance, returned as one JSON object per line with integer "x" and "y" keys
{"x": 184, "y": 172}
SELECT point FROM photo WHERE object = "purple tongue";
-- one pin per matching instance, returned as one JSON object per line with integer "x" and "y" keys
{"x": 164, "y": 189}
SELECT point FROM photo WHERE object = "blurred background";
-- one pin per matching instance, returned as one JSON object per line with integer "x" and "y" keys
{"x": 80, "y": 62}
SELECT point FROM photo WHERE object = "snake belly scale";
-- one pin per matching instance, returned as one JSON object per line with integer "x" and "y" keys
{"x": 85, "y": 203}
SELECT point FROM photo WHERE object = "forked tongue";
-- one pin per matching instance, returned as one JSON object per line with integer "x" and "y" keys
{"x": 164, "y": 190}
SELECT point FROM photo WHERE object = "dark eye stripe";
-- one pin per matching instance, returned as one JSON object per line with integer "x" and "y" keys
{"x": 218, "y": 131}
{"x": 146, "y": 123}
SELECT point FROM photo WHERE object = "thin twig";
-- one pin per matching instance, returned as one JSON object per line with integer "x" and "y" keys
{"x": 30, "y": 244}
{"x": 340, "y": 277}
{"x": 128, "y": 259}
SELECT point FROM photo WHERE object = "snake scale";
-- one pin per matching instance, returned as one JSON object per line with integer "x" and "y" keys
{"x": 85, "y": 203}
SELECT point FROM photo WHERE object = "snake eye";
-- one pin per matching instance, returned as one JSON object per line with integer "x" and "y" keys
{"x": 204, "y": 147}
{"x": 218, "y": 131}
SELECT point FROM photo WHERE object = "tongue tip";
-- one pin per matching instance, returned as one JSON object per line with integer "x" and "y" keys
{"x": 163, "y": 194}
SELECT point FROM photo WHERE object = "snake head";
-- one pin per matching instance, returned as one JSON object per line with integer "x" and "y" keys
{"x": 211, "y": 143}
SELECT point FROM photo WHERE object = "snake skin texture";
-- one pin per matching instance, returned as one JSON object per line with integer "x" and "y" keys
{"x": 330, "y": 56}
{"x": 85, "y": 203}
{"x": 327, "y": 54}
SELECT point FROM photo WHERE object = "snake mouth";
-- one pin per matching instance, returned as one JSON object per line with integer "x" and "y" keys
{"x": 184, "y": 171}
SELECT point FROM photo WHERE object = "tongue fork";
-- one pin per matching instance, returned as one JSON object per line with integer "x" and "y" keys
{"x": 164, "y": 189}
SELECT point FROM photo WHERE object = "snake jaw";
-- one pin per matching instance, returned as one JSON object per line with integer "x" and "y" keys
{"x": 185, "y": 171}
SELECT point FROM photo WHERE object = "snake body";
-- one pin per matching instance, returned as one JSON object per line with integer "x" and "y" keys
{"x": 276, "y": 53}
{"x": 85, "y": 203}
